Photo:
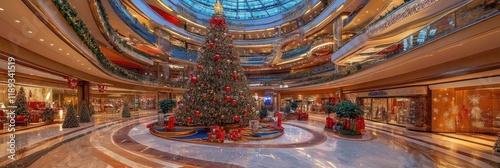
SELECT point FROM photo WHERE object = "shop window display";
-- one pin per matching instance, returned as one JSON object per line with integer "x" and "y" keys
{"x": 399, "y": 108}
{"x": 379, "y": 110}
{"x": 466, "y": 110}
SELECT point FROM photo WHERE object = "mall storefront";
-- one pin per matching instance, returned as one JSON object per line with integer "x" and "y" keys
{"x": 467, "y": 107}
{"x": 408, "y": 107}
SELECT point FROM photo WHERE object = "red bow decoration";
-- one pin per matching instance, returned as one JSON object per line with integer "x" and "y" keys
{"x": 101, "y": 88}
{"x": 217, "y": 21}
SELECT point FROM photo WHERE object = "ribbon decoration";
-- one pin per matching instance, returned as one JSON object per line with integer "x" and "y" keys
{"x": 217, "y": 21}
{"x": 101, "y": 88}
{"x": 72, "y": 82}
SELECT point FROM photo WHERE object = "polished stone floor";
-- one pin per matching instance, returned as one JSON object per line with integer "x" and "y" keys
{"x": 127, "y": 143}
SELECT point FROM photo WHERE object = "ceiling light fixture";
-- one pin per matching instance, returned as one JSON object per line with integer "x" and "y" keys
{"x": 17, "y": 21}
{"x": 1, "y": 9}
{"x": 51, "y": 44}
{"x": 60, "y": 49}
{"x": 30, "y": 32}
{"x": 41, "y": 40}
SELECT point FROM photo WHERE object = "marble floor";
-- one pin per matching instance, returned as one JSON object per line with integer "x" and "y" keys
{"x": 127, "y": 143}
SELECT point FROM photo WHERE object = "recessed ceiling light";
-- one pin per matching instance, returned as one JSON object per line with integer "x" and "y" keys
{"x": 30, "y": 32}
{"x": 41, "y": 39}
{"x": 51, "y": 44}
{"x": 17, "y": 21}
{"x": 77, "y": 60}
{"x": 67, "y": 53}
{"x": 1, "y": 9}
{"x": 60, "y": 49}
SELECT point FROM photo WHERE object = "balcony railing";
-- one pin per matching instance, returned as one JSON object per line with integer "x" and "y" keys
{"x": 452, "y": 22}
{"x": 131, "y": 22}
{"x": 115, "y": 40}
{"x": 79, "y": 27}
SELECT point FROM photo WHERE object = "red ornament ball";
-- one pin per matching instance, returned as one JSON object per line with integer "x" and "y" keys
{"x": 228, "y": 89}
{"x": 211, "y": 45}
{"x": 245, "y": 112}
{"x": 228, "y": 54}
{"x": 234, "y": 102}
{"x": 230, "y": 46}
{"x": 219, "y": 72}
{"x": 193, "y": 79}
{"x": 197, "y": 113}
{"x": 236, "y": 118}
{"x": 235, "y": 77}
{"x": 214, "y": 100}
{"x": 217, "y": 57}
{"x": 228, "y": 98}
{"x": 188, "y": 120}
{"x": 199, "y": 67}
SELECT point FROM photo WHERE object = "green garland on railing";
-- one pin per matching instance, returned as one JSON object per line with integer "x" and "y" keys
{"x": 102, "y": 12}
{"x": 394, "y": 8}
{"x": 83, "y": 32}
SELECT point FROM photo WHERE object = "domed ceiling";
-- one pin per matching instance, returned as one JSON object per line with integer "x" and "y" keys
{"x": 243, "y": 9}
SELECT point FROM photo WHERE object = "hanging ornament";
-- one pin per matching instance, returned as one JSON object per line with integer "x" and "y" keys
{"x": 230, "y": 46}
{"x": 219, "y": 72}
{"x": 199, "y": 67}
{"x": 236, "y": 118}
{"x": 217, "y": 57}
{"x": 234, "y": 58}
{"x": 197, "y": 113}
{"x": 214, "y": 100}
{"x": 188, "y": 120}
{"x": 228, "y": 54}
{"x": 245, "y": 112}
{"x": 203, "y": 84}
{"x": 228, "y": 89}
{"x": 228, "y": 61}
{"x": 228, "y": 98}
{"x": 187, "y": 107}
{"x": 235, "y": 77}
{"x": 234, "y": 102}
{"x": 179, "y": 102}
{"x": 203, "y": 46}
{"x": 193, "y": 80}
{"x": 191, "y": 89}
{"x": 192, "y": 100}
{"x": 211, "y": 91}
{"x": 211, "y": 45}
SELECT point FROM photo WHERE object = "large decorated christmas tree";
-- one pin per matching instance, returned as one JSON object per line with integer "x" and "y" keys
{"x": 218, "y": 93}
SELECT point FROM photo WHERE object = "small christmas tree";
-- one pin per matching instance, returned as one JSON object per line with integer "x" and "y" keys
{"x": 125, "y": 111}
{"x": 70, "y": 120}
{"x": 84, "y": 113}
{"x": 263, "y": 112}
{"x": 21, "y": 104}
{"x": 91, "y": 110}
{"x": 496, "y": 148}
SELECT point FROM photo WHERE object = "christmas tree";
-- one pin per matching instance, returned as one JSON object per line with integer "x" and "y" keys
{"x": 84, "y": 113}
{"x": 217, "y": 93}
{"x": 125, "y": 111}
{"x": 21, "y": 104}
{"x": 70, "y": 120}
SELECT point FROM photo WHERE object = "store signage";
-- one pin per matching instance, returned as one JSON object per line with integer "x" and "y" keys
{"x": 419, "y": 90}
{"x": 377, "y": 93}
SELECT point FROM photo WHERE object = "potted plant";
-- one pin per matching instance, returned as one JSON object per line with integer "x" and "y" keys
{"x": 263, "y": 112}
{"x": 348, "y": 112}
{"x": 48, "y": 115}
{"x": 164, "y": 107}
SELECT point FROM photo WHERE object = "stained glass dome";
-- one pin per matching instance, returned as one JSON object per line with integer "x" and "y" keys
{"x": 243, "y": 9}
